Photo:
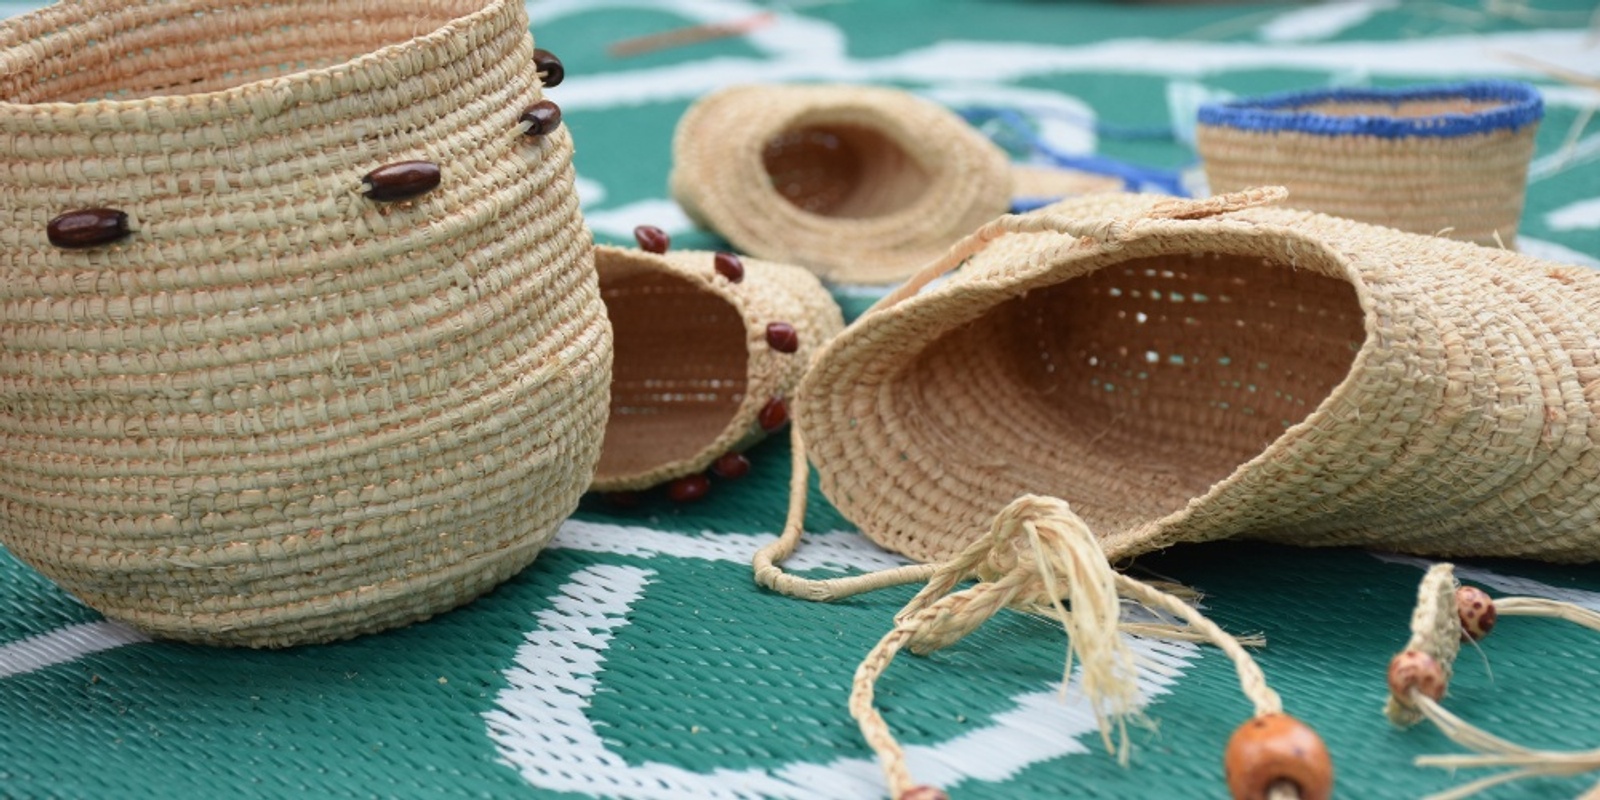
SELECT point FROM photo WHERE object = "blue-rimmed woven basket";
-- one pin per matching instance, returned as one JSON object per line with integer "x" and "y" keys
{"x": 1446, "y": 159}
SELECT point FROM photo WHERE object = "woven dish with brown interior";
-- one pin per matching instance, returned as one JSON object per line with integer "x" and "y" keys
{"x": 707, "y": 354}
{"x": 301, "y": 332}
{"x": 1184, "y": 371}
{"x": 1443, "y": 160}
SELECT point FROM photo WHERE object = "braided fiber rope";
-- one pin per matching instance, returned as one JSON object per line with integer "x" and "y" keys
{"x": 279, "y": 411}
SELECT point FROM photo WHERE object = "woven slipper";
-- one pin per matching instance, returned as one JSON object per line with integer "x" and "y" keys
{"x": 858, "y": 184}
{"x": 302, "y": 333}
{"x": 1447, "y": 160}
{"x": 1184, "y": 371}
{"x": 709, "y": 348}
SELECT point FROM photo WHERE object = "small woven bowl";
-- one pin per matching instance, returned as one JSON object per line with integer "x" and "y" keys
{"x": 858, "y": 184}
{"x": 698, "y": 364}
{"x": 1446, "y": 159}
{"x": 268, "y": 406}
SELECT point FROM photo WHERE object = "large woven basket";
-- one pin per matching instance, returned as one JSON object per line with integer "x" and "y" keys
{"x": 279, "y": 409}
{"x": 1193, "y": 370}
{"x": 1446, "y": 160}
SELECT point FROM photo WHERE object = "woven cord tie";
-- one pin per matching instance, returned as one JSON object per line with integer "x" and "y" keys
{"x": 1492, "y": 752}
{"x": 1039, "y": 553}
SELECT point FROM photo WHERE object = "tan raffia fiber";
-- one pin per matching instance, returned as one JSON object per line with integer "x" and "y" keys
{"x": 859, "y": 184}
{"x": 693, "y": 366}
{"x": 1435, "y": 632}
{"x": 280, "y": 412}
{"x": 1184, "y": 371}
{"x": 1470, "y": 188}
{"x": 1037, "y": 181}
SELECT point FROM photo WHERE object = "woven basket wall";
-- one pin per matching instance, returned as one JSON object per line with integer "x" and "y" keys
{"x": 1179, "y": 374}
{"x": 694, "y": 365}
{"x": 280, "y": 411}
{"x": 1446, "y": 160}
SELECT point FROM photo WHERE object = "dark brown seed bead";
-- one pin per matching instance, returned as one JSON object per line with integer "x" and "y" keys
{"x": 1476, "y": 611}
{"x": 542, "y": 117}
{"x": 729, "y": 266}
{"x": 401, "y": 180}
{"x": 652, "y": 239}
{"x": 1273, "y": 749}
{"x": 88, "y": 227}
{"x": 1415, "y": 670}
{"x": 731, "y": 466}
{"x": 689, "y": 488}
{"x": 924, "y": 793}
{"x": 550, "y": 70}
{"x": 782, "y": 337}
{"x": 774, "y": 415}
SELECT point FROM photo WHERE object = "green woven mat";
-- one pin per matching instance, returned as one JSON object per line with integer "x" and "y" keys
{"x": 636, "y": 659}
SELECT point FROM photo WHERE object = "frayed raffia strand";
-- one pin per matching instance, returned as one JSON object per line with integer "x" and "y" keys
{"x": 1037, "y": 552}
{"x": 1490, "y": 751}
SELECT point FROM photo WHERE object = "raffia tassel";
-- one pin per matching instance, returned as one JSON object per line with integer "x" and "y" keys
{"x": 1037, "y": 554}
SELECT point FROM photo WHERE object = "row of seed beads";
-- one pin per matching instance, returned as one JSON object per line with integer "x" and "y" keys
{"x": 1413, "y": 669}
{"x": 403, "y": 180}
{"x": 781, "y": 337}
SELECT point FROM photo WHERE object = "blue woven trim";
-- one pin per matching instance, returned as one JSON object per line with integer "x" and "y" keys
{"x": 1521, "y": 105}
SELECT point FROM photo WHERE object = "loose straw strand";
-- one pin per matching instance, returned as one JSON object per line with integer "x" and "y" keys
{"x": 770, "y": 575}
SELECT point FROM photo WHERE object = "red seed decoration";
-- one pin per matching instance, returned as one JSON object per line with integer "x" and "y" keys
{"x": 541, "y": 118}
{"x": 551, "y": 73}
{"x": 1415, "y": 670}
{"x": 924, "y": 793}
{"x": 1476, "y": 611}
{"x": 774, "y": 415}
{"x": 729, "y": 266}
{"x": 731, "y": 466}
{"x": 689, "y": 488}
{"x": 401, "y": 180}
{"x": 652, "y": 239}
{"x": 87, "y": 227}
{"x": 782, "y": 337}
{"x": 1273, "y": 749}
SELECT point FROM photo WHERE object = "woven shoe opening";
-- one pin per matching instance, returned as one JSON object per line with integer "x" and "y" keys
{"x": 123, "y": 51}
{"x": 1406, "y": 109}
{"x": 679, "y": 371}
{"x": 1133, "y": 389}
{"x": 843, "y": 171}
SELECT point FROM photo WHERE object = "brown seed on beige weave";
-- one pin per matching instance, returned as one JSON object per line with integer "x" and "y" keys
{"x": 401, "y": 180}
{"x": 728, "y": 266}
{"x": 924, "y": 793}
{"x": 782, "y": 337}
{"x": 551, "y": 72}
{"x": 1476, "y": 610}
{"x": 774, "y": 415}
{"x": 88, "y": 227}
{"x": 689, "y": 488}
{"x": 541, "y": 118}
{"x": 731, "y": 466}
{"x": 1277, "y": 749}
{"x": 1415, "y": 670}
{"x": 652, "y": 239}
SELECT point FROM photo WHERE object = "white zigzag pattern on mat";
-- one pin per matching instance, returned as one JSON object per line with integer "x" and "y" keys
{"x": 541, "y": 728}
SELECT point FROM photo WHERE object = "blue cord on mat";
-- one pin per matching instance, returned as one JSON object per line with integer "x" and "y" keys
{"x": 1516, "y": 105}
{"x": 1013, "y": 132}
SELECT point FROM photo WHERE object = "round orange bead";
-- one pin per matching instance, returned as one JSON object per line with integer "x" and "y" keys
{"x": 1277, "y": 748}
{"x": 924, "y": 793}
{"x": 1476, "y": 610}
{"x": 1415, "y": 670}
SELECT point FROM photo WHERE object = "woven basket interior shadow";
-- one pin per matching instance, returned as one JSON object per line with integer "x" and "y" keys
{"x": 703, "y": 362}
{"x": 301, "y": 333}
{"x": 1194, "y": 370}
